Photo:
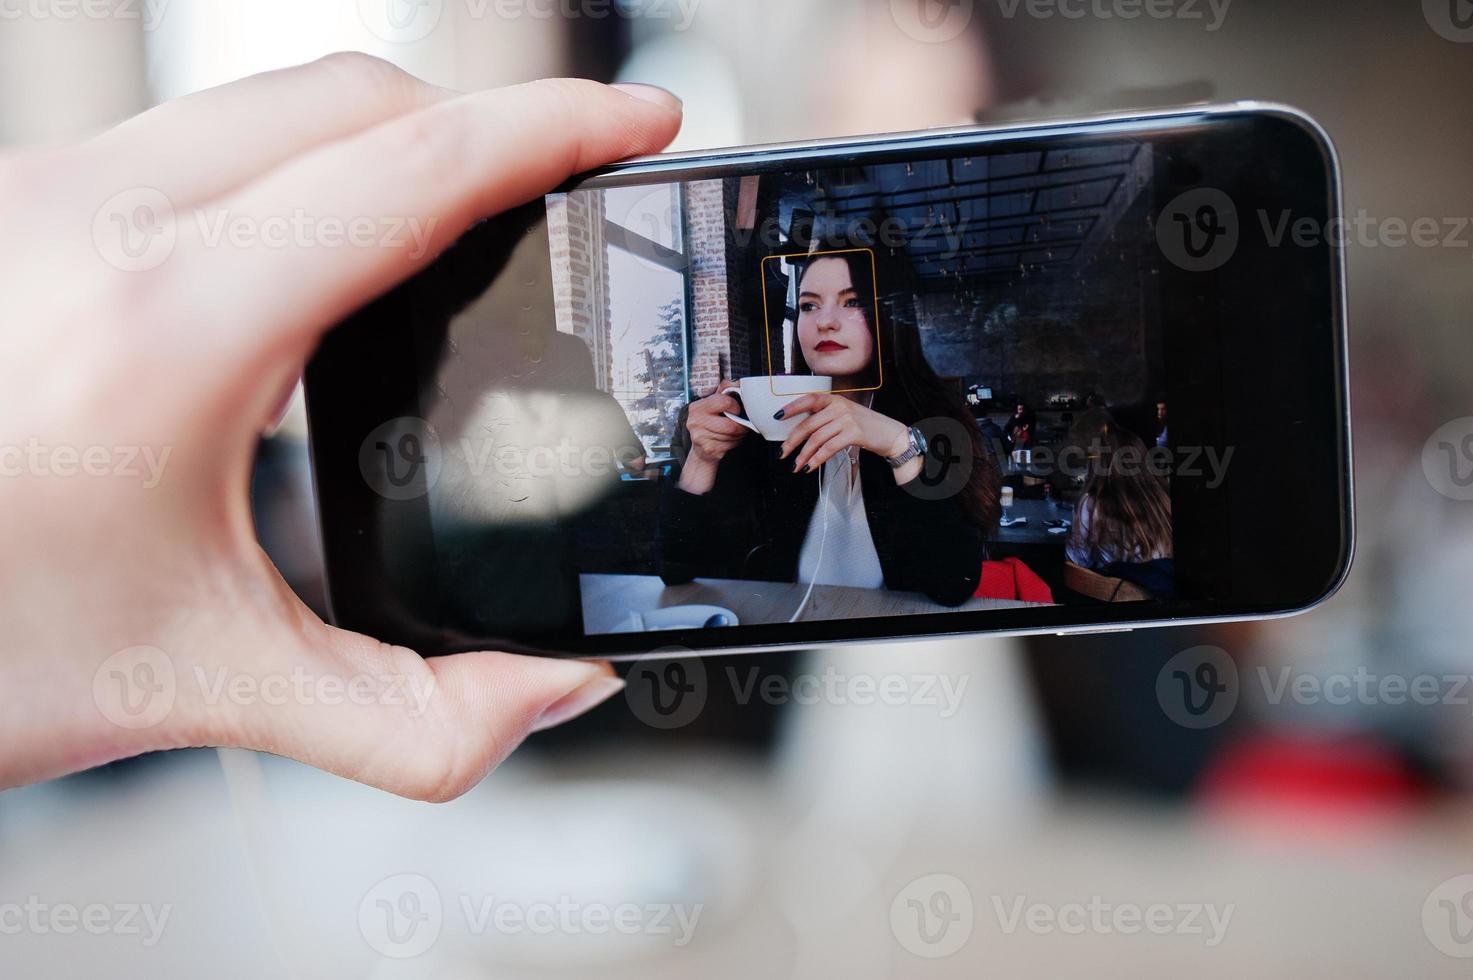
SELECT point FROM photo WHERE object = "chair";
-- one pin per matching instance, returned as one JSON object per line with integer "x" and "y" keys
{"x": 1101, "y": 587}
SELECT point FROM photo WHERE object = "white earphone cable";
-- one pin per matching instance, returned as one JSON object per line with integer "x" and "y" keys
{"x": 823, "y": 507}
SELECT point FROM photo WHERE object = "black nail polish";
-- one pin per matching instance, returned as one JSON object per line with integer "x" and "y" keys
{"x": 779, "y": 416}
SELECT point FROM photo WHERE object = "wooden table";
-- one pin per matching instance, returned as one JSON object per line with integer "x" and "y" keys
{"x": 609, "y": 599}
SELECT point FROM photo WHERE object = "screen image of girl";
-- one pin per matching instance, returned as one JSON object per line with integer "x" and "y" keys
{"x": 741, "y": 507}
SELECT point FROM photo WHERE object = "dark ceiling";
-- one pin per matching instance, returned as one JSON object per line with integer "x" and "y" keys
{"x": 992, "y": 217}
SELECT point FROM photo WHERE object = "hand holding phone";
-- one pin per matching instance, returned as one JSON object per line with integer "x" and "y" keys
{"x": 142, "y": 613}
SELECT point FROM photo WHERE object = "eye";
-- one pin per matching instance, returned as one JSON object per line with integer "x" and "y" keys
{"x": 807, "y": 306}
{"x": 853, "y": 303}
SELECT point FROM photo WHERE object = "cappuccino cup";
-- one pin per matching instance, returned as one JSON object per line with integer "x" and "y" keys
{"x": 765, "y": 395}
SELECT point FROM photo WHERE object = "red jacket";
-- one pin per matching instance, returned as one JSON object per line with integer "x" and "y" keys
{"x": 1011, "y": 579}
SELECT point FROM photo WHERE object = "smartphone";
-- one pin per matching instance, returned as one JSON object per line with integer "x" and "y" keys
{"x": 1068, "y": 376}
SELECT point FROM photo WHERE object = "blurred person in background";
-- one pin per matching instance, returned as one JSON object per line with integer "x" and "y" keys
{"x": 1123, "y": 515}
{"x": 1020, "y": 428}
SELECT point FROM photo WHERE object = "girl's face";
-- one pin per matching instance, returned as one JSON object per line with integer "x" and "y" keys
{"x": 837, "y": 338}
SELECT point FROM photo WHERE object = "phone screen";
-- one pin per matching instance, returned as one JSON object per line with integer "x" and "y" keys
{"x": 869, "y": 393}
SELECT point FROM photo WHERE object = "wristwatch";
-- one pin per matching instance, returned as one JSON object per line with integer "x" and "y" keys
{"x": 918, "y": 447}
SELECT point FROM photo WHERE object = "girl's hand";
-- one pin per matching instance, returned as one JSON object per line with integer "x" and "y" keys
{"x": 139, "y": 611}
{"x": 712, "y": 436}
{"x": 834, "y": 424}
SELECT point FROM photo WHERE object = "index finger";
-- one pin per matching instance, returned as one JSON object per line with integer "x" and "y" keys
{"x": 438, "y": 169}
{"x": 205, "y": 144}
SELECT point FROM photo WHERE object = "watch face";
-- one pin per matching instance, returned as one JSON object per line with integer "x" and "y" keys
{"x": 918, "y": 441}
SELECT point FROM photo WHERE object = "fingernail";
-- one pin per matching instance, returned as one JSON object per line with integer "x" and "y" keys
{"x": 780, "y": 413}
{"x": 580, "y": 701}
{"x": 651, "y": 93}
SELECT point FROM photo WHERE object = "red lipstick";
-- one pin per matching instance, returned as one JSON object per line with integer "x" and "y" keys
{"x": 826, "y": 346}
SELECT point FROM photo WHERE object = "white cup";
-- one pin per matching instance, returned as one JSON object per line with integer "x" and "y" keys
{"x": 763, "y": 396}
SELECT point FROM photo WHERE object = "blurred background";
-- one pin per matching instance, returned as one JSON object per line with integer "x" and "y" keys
{"x": 1018, "y": 808}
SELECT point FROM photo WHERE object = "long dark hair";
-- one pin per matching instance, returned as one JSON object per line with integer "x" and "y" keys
{"x": 1129, "y": 508}
{"x": 911, "y": 391}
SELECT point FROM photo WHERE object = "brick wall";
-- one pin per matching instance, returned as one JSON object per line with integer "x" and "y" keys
{"x": 719, "y": 322}
{"x": 580, "y": 275}
{"x": 705, "y": 222}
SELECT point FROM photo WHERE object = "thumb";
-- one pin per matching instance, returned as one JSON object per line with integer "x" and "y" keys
{"x": 426, "y": 729}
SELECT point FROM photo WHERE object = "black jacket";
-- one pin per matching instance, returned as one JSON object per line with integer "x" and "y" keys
{"x": 753, "y": 522}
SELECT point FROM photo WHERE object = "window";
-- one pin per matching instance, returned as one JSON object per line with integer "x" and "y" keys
{"x": 647, "y": 304}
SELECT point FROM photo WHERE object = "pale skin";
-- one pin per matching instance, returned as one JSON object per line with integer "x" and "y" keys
{"x": 195, "y": 357}
{"x": 838, "y": 342}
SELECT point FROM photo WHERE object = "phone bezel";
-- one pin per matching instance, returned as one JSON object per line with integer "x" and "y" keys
{"x": 343, "y": 575}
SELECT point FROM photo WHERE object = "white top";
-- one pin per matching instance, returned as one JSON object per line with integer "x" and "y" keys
{"x": 849, "y": 556}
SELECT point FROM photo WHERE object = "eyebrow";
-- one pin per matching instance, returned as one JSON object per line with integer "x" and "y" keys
{"x": 809, "y": 292}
